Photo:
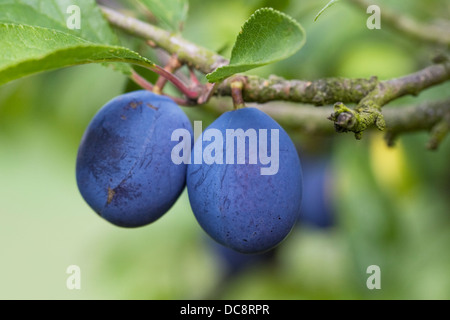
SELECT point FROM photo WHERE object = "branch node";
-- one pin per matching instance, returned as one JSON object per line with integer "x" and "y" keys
{"x": 441, "y": 57}
{"x": 356, "y": 121}
{"x": 343, "y": 117}
{"x": 208, "y": 91}
{"x": 439, "y": 132}
{"x": 390, "y": 138}
{"x": 152, "y": 44}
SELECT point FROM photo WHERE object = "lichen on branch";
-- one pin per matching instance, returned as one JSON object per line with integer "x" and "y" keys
{"x": 317, "y": 92}
{"x": 368, "y": 111}
{"x": 358, "y": 120}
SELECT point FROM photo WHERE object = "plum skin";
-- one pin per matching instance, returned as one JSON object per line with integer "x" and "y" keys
{"x": 236, "y": 205}
{"x": 317, "y": 210}
{"x": 124, "y": 169}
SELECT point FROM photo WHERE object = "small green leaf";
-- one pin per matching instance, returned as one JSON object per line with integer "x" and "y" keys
{"x": 329, "y": 4}
{"x": 267, "y": 36}
{"x": 25, "y": 50}
{"x": 171, "y": 14}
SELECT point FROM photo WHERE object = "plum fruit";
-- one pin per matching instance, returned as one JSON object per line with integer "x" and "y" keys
{"x": 234, "y": 263}
{"x": 249, "y": 206}
{"x": 317, "y": 209}
{"x": 124, "y": 169}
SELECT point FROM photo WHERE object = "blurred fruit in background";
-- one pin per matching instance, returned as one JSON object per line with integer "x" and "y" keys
{"x": 317, "y": 203}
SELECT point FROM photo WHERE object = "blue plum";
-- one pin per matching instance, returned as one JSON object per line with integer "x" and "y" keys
{"x": 124, "y": 169}
{"x": 233, "y": 262}
{"x": 317, "y": 209}
{"x": 245, "y": 205}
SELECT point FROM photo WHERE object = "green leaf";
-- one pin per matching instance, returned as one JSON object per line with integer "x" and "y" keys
{"x": 267, "y": 36}
{"x": 25, "y": 50}
{"x": 53, "y": 14}
{"x": 329, "y": 4}
{"x": 171, "y": 14}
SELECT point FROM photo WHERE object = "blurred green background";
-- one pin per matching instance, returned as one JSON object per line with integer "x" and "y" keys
{"x": 391, "y": 207}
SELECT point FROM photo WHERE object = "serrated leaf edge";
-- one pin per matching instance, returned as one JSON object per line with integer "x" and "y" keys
{"x": 260, "y": 64}
{"x": 83, "y": 43}
{"x": 255, "y": 15}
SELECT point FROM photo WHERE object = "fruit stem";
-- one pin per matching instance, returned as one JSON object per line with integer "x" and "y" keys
{"x": 193, "y": 77}
{"x": 141, "y": 81}
{"x": 137, "y": 78}
{"x": 191, "y": 94}
{"x": 237, "y": 85}
{"x": 172, "y": 65}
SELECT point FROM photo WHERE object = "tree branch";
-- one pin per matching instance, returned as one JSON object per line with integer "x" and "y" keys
{"x": 432, "y": 116}
{"x": 368, "y": 111}
{"x": 311, "y": 120}
{"x": 369, "y": 94}
{"x": 200, "y": 58}
{"x": 317, "y": 92}
{"x": 420, "y": 31}
{"x": 423, "y": 116}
